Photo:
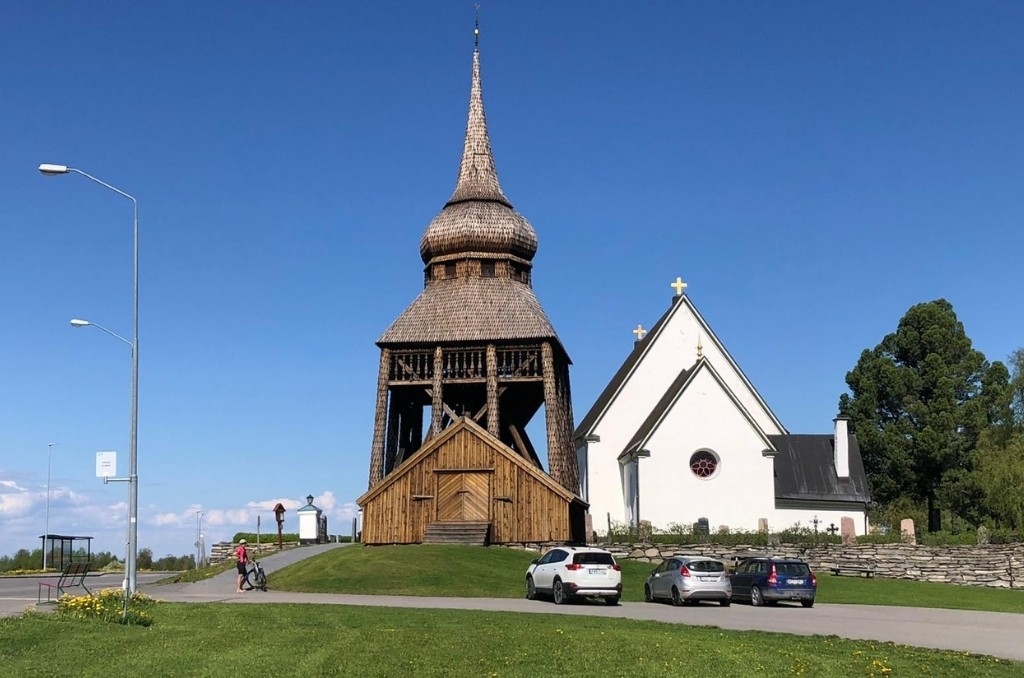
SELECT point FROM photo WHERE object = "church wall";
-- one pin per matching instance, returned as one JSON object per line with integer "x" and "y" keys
{"x": 674, "y": 350}
{"x": 743, "y": 486}
{"x": 664, "y": 360}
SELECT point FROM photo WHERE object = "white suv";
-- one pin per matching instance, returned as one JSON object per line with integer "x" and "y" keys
{"x": 575, "y": 571}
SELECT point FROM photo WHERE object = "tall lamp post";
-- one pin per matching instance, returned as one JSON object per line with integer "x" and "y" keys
{"x": 133, "y": 461}
{"x": 200, "y": 548}
{"x": 46, "y": 529}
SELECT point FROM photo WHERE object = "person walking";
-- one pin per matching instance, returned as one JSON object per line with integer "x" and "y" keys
{"x": 242, "y": 556}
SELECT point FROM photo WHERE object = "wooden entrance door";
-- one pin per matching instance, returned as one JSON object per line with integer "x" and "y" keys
{"x": 464, "y": 496}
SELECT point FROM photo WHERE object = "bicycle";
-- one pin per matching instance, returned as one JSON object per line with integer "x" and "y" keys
{"x": 255, "y": 577}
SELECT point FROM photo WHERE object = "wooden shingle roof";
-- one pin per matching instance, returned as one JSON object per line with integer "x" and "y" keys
{"x": 471, "y": 309}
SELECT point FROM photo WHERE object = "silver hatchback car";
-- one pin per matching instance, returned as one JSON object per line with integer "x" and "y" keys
{"x": 686, "y": 579}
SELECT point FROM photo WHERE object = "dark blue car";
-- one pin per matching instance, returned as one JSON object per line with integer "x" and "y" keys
{"x": 766, "y": 581}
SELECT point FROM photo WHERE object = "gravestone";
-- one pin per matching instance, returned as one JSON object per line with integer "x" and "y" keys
{"x": 907, "y": 531}
{"x": 847, "y": 531}
{"x": 982, "y": 535}
{"x": 762, "y": 524}
{"x": 702, "y": 527}
{"x": 644, "y": 530}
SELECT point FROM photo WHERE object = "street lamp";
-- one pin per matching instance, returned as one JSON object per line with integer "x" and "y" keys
{"x": 46, "y": 529}
{"x": 200, "y": 547}
{"x": 133, "y": 457}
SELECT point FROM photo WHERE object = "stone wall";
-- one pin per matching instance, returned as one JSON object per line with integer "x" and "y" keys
{"x": 225, "y": 550}
{"x": 999, "y": 566}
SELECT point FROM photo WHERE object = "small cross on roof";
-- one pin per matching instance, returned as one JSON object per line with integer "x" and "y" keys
{"x": 639, "y": 332}
{"x": 679, "y": 286}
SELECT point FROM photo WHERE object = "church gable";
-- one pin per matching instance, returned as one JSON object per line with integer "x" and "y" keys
{"x": 705, "y": 456}
{"x": 711, "y": 394}
{"x": 679, "y": 338}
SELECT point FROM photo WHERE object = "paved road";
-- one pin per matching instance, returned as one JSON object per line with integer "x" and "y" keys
{"x": 991, "y": 633}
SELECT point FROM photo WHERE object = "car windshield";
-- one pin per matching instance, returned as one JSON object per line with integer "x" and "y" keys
{"x": 593, "y": 559}
{"x": 706, "y": 566}
{"x": 792, "y": 569}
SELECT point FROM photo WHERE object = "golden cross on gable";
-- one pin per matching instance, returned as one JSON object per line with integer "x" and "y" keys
{"x": 639, "y": 332}
{"x": 679, "y": 286}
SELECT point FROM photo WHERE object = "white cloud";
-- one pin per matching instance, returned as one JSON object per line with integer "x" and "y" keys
{"x": 269, "y": 504}
{"x": 15, "y": 504}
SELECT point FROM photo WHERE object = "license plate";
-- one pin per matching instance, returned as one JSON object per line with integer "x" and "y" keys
{"x": 707, "y": 579}
{"x": 796, "y": 582}
{"x": 597, "y": 570}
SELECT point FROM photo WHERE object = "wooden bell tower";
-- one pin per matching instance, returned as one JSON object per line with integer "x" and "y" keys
{"x": 475, "y": 343}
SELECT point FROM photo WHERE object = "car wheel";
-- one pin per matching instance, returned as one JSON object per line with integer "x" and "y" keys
{"x": 725, "y": 603}
{"x": 807, "y": 602}
{"x": 558, "y": 592}
{"x": 677, "y": 600}
{"x": 755, "y": 597}
{"x": 648, "y": 596}
{"x": 611, "y": 600}
{"x": 531, "y": 589}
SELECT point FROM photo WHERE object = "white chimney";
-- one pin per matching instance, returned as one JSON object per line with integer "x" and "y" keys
{"x": 842, "y": 447}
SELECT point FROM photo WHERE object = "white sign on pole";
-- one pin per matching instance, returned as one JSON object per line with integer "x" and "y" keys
{"x": 106, "y": 464}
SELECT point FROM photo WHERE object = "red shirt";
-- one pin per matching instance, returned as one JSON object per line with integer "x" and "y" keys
{"x": 242, "y": 554}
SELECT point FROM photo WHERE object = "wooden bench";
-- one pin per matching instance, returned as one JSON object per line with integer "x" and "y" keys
{"x": 858, "y": 570}
{"x": 72, "y": 577}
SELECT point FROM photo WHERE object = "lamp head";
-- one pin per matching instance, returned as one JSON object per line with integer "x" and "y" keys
{"x": 53, "y": 170}
{"x": 75, "y": 322}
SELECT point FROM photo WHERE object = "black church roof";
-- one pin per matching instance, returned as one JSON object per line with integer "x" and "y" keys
{"x": 805, "y": 470}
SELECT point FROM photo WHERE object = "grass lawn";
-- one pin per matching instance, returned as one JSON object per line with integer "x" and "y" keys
{"x": 325, "y": 640}
{"x": 474, "y": 572}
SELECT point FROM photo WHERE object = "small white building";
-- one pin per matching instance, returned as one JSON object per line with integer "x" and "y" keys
{"x": 681, "y": 434}
{"x": 309, "y": 522}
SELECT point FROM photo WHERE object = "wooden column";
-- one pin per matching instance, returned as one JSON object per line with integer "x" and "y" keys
{"x": 437, "y": 402}
{"x": 416, "y": 422}
{"x": 558, "y": 410}
{"x": 572, "y": 473}
{"x": 556, "y": 460}
{"x": 380, "y": 419}
{"x": 391, "y": 446}
{"x": 493, "y": 414}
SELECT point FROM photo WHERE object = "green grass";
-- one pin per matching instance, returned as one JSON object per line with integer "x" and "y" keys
{"x": 903, "y": 592}
{"x": 477, "y": 572}
{"x": 324, "y": 640}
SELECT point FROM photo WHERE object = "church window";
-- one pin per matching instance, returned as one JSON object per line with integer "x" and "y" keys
{"x": 449, "y": 270}
{"x": 487, "y": 269}
{"x": 704, "y": 463}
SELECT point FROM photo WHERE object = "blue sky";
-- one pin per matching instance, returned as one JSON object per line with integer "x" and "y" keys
{"x": 810, "y": 169}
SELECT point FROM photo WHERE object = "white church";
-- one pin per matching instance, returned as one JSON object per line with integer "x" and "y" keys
{"x": 680, "y": 434}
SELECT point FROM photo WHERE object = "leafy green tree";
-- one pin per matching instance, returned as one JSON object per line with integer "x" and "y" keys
{"x": 1000, "y": 473}
{"x": 144, "y": 559}
{"x": 918, "y": 403}
{"x": 1017, "y": 388}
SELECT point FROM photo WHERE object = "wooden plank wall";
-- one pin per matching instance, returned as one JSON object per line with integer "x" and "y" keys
{"x": 523, "y": 509}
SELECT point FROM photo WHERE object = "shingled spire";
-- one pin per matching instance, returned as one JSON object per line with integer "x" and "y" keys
{"x": 478, "y": 178}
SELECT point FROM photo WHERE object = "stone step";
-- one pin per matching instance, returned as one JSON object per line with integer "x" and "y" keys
{"x": 457, "y": 533}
